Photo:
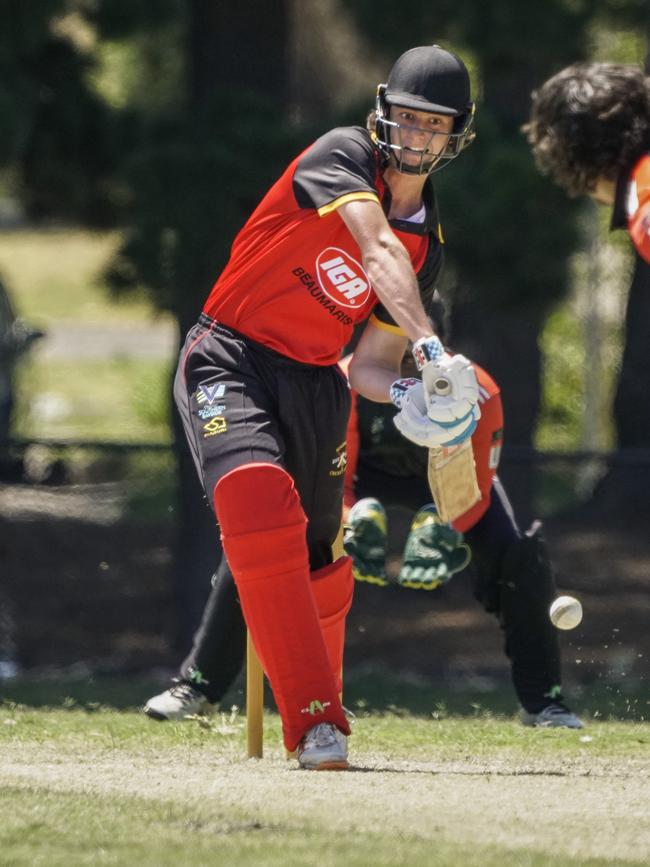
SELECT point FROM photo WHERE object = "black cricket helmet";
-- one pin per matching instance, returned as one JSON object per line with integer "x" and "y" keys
{"x": 427, "y": 78}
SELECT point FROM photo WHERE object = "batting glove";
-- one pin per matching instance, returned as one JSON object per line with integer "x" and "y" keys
{"x": 450, "y": 381}
{"x": 433, "y": 553}
{"x": 427, "y": 350}
{"x": 401, "y": 389}
{"x": 364, "y": 539}
{"x": 413, "y": 421}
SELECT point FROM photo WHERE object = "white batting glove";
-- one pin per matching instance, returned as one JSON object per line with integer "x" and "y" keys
{"x": 450, "y": 382}
{"x": 427, "y": 349}
{"x": 401, "y": 388}
{"x": 413, "y": 422}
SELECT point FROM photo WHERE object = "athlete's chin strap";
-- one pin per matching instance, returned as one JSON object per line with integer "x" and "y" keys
{"x": 263, "y": 532}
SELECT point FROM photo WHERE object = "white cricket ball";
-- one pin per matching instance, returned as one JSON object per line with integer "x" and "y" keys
{"x": 565, "y": 612}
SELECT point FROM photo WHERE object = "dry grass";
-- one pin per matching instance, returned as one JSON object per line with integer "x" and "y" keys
{"x": 420, "y": 792}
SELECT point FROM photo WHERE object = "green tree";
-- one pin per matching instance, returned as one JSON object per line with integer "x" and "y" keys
{"x": 60, "y": 144}
{"x": 198, "y": 165}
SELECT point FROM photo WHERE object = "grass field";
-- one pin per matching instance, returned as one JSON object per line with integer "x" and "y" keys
{"x": 56, "y": 280}
{"x": 120, "y": 399}
{"x": 57, "y": 274}
{"x": 93, "y": 785}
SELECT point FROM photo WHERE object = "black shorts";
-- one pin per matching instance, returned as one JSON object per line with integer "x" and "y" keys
{"x": 243, "y": 403}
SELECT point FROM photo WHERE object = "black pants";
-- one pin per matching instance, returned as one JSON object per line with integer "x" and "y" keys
{"x": 243, "y": 403}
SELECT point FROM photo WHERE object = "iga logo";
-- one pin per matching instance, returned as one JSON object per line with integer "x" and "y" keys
{"x": 342, "y": 278}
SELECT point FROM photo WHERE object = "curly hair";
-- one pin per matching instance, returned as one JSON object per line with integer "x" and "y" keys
{"x": 591, "y": 120}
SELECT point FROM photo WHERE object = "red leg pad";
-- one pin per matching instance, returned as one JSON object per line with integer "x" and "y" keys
{"x": 263, "y": 532}
{"x": 333, "y": 587}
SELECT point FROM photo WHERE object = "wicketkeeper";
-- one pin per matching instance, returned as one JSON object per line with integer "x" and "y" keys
{"x": 348, "y": 233}
{"x": 511, "y": 572}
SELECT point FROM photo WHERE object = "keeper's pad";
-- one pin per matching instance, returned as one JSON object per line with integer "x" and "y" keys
{"x": 527, "y": 590}
{"x": 333, "y": 587}
{"x": 263, "y": 533}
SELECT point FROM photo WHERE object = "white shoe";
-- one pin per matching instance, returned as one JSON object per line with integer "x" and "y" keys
{"x": 176, "y": 703}
{"x": 323, "y": 748}
{"x": 554, "y": 715}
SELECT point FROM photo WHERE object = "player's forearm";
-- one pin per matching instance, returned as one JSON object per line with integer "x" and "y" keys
{"x": 371, "y": 380}
{"x": 389, "y": 267}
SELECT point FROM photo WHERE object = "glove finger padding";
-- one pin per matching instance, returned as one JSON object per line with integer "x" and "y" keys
{"x": 413, "y": 423}
{"x": 364, "y": 540}
{"x": 451, "y": 388}
{"x": 433, "y": 553}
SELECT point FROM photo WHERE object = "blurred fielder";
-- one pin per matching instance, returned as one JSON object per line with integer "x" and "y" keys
{"x": 589, "y": 129}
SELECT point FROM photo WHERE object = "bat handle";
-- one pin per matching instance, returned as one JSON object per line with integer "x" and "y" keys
{"x": 436, "y": 383}
{"x": 441, "y": 386}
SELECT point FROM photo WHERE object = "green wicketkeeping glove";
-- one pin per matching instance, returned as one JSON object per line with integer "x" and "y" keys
{"x": 434, "y": 551}
{"x": 364, "y": 539}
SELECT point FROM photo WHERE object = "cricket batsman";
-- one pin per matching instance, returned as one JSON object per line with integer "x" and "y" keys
{"x": 348, "y": 233}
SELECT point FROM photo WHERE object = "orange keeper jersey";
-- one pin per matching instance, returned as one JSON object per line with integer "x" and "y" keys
{"x": 295, "y": 281}
{"x": 632, "y": 206}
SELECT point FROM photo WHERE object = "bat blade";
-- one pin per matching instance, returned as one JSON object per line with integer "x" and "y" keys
{"x": 452, "y": 479}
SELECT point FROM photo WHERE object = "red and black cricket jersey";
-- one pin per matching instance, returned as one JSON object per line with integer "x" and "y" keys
{"x": 295, "y": 281}
{"x": 632, "y": 205}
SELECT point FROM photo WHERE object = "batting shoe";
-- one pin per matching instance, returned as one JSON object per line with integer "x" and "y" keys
{"x": 553, "y": 716}
{"x": 176, "y": 703}
{"x": 323, "y": 748}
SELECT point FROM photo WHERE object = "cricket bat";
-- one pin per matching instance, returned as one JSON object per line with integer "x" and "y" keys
{"x": 452, "y": 471}
{"x": 452, "y": 479}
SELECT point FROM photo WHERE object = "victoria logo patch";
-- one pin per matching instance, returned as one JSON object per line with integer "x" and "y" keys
{"x": 210, "y": 393}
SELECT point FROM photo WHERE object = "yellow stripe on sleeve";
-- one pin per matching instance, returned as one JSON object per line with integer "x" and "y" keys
{"x": 385, "y": 326}
{"x": 348, "y": 197}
